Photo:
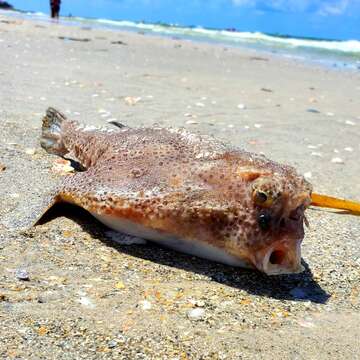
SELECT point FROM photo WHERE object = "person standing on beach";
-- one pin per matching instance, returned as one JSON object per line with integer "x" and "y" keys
{"x": 55, "y": 8}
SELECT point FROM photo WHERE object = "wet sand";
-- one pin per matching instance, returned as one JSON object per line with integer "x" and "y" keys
{"x": 87, "y": 297}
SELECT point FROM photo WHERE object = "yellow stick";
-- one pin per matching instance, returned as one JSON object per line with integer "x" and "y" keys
{"x": 335, "y": 203}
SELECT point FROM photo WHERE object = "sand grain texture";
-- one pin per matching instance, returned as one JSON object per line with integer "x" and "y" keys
{"x": 88, "y": 298}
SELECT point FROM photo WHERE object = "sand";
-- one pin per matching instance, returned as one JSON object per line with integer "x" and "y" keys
{"x": 67, "y": 291}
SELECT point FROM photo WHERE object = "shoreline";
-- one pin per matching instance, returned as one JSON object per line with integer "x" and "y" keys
{"x": 306, "y": 53}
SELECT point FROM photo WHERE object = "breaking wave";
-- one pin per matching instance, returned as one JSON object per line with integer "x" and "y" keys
{"x": 337, "y": 53}
{"x": 347, "y": 46}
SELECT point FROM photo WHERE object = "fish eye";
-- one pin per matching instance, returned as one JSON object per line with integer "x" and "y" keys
{"x": 262, "y": 198}
{"x": 264, "y": 221}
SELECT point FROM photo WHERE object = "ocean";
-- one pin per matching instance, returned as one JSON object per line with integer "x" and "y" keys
{"x": 330, "y": 53}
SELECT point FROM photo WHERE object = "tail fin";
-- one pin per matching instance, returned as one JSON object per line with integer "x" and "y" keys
{"x": 51, "y": 137}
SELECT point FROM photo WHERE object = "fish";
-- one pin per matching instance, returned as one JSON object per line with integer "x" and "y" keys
{"x": 185, "y": 191}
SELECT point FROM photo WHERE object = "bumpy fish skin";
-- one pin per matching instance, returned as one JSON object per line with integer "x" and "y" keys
{"x": 188, "y": 187}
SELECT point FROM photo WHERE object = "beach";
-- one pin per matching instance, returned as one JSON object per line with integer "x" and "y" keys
{"x": 67, "y": 291}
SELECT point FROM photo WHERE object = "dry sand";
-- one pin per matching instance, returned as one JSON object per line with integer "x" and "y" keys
{"x": 88, "y": 298}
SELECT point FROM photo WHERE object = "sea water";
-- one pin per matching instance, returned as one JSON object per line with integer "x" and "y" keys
{"x": 343, "y": 54}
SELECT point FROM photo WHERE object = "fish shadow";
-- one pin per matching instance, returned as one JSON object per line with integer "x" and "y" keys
{"x": 295, "y": 287}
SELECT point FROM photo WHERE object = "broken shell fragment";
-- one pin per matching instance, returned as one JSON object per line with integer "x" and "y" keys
{"x": 131, "y": 100}
{"x": 62, "y": 167}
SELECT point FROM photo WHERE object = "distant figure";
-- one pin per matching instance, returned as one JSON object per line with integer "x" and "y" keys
{"x": 5, "y": 5}
{"x": 55, "y": 8}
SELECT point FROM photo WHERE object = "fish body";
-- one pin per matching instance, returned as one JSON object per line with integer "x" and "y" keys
{"x": 185, "y": 191}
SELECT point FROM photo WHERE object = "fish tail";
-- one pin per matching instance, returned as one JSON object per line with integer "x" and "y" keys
{"x": 51, "y": 137}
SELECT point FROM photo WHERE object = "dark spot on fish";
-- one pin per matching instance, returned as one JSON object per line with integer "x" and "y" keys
{"x": 264, "y": 221}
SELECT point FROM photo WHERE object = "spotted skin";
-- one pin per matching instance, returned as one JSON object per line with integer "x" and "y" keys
{"x": 186, "y": 186}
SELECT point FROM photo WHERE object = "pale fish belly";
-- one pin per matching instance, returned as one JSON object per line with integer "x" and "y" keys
{"x": 171, "y": 241}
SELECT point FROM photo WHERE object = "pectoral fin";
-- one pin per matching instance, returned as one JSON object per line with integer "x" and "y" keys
{"x": 27, "y": 215}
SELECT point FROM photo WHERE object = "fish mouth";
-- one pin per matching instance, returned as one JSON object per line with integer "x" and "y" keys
{"x": 283, "y": 257}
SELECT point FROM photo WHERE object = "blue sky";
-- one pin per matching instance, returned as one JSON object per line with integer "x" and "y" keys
{"x": 337, "y": 19}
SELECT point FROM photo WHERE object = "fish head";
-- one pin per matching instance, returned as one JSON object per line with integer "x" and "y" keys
{"x": 274, "y": 212}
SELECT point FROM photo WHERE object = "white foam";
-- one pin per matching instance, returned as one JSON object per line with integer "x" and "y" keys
{"x": 346, "y": 46}
{"x": 349, "y": 47}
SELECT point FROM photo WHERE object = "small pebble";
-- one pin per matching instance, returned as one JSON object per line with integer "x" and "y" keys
{"x": 145, "y": 305}
{"x": 42, "y": 330}
{"x": 196, "y": 314}
{"x": 120, "y": 285}
{"x": 349, "y": 122}
{"x": 198, "y": 303}
{"x": 200, "y": 104}
{"x": 257, "y": 126}
{"x": 191, "y": 122}
{"x": 315, "y": 153}
{"x": 349, "y": 149}
{"x": 62, "y": 167}
{"x": 112, "y": 344}
{"x": 22, "y": 274}
{"x": 330, "y": 114}
{"x": 314, "y": 111}
{"x": 131, "y": 100}
{"x": 241, "y": 106}
{"x": 337, "y": 160}
{"x": 85, "y": 301}
{"x": 308, "y": 175}
{"x": 306, "y": 324}
{"x": 30, "y": 151}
